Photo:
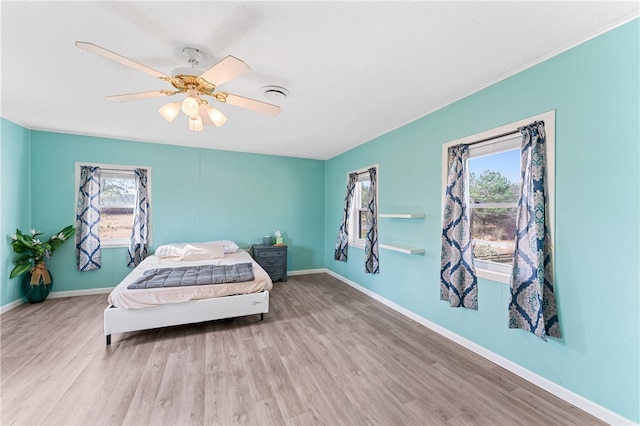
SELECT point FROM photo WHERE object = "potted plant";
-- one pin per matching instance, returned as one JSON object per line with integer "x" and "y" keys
{"x": 32, "y": 258}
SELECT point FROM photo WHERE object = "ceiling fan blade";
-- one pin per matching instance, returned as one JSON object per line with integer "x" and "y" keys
{"x": 141, "y": 95}
{"x": 247, "y": 103}
{"x": 90, "y": 47}
{"x": 225, "y": 70}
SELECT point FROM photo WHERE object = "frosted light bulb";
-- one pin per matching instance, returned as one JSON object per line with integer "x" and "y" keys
{"x": 190, "y": 106}
{"x": 170, "y": 111}
{"x": 216, "y": 116}
{"x": 195, "y": 123}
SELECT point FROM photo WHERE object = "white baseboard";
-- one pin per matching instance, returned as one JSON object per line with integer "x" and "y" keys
{"x": 12, "y": 305}
{"x": 73, "y": 293}
{"x": 106, "y": 290}
{"x": 58, "y": 295}
{"x": 565, "y": 394}
{"x": 306, "y": 272}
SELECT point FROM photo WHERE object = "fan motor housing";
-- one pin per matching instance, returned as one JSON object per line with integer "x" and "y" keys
{"x": 185, "y": 82}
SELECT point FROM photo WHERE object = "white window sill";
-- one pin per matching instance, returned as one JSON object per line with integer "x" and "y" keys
{"x": 114, "y": 244}
{"x": 493, "y": 275}
{"x": 356, "y": 244}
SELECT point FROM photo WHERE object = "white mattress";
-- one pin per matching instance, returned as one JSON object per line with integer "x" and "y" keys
{"x": 122, "y": 297}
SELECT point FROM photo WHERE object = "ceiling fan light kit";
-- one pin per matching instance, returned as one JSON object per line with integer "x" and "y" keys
{"x": 195, "y": 84}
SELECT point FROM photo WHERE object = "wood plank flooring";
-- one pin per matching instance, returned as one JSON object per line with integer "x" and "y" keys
{"x": 325, "y": 354}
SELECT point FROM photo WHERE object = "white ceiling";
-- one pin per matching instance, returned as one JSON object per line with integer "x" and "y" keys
{"x": 355, "y": 70}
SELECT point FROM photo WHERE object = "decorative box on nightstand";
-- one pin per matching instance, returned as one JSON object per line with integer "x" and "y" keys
{"x": 273, "y": 259}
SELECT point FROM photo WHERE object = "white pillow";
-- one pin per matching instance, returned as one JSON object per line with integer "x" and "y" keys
{"x": 170, "y": 250}
{"x": 175, "y": 249}
{"x": 227, "y": 245}
{"x": 202, "y": 252}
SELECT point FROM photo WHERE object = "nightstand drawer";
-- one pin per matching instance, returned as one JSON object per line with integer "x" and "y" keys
{"x": 274, "y": 271}
{"x": 271, "y": 253}
{"x": 271, "y": 261}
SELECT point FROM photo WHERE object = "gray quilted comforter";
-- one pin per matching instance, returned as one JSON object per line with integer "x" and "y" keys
{"x": 194, "y": 275}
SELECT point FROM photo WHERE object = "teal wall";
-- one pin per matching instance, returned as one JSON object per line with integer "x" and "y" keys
{"x": 197, "y": 195}
{"x": 595, "y": 90}
{"x": 15, "y": 207}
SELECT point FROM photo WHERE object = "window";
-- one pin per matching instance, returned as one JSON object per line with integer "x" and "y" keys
{"x": 494, "y": 176}
{"x": 493, "y": 185}
{"x": 117, "y": 198}
{"x": 358, "y": 214}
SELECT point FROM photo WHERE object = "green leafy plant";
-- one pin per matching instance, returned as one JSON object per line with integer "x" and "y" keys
{"x": 32, "y": 251}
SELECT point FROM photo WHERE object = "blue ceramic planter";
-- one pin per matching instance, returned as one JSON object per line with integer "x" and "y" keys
{"x": 35, "y": 293}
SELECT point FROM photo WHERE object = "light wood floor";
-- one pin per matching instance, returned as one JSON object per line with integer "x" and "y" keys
{"x": 325, "y": 354}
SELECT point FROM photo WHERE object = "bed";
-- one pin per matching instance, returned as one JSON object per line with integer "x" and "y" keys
{"x": 143, "y": 309}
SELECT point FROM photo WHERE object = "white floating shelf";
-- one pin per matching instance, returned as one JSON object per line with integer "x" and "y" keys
{"x": 402, "y": 248}
{"x": 403, "y": 215}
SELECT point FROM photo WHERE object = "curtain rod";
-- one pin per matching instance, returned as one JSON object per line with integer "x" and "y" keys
{"x": 364, "y": 170}
{"x": 115, "y": 169}
{"x": 120, "y": 169}
{"x": 502, "y": 135}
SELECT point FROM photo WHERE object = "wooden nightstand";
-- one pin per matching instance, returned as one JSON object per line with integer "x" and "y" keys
{"x": 273, "y": 259}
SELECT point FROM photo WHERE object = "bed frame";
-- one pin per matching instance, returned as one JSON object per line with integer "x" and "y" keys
{"x": 118, "y": 320}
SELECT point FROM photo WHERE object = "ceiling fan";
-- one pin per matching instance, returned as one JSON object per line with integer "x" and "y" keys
{"x": 195, "y": 83}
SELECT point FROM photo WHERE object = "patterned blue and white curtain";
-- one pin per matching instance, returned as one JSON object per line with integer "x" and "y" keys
{"x": 342, "y": 243}
{"x": 139, "y": 242}
{"x": 88, "y": 251}
{"x": 458, "y": 281}
{"x": 533, "y": 301}
{"x": 371, "y": 260}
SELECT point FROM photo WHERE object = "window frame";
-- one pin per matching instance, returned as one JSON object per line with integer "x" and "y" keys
{"x": 491, "y": 270}
{"x": 120, "y": 242}
{"x": 354, "y": 216}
